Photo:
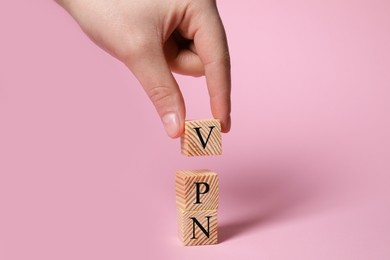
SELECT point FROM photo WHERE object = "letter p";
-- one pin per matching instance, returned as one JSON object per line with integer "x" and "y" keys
{"x": 198, "y": 192}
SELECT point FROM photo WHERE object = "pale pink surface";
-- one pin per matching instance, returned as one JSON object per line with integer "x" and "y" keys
{"x": 87, "y": 172}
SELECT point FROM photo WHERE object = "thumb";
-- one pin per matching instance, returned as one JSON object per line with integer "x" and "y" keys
{"x": 150, "y": 67}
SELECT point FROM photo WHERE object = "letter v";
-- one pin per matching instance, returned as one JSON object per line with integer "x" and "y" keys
{"x": 197, "y": 129}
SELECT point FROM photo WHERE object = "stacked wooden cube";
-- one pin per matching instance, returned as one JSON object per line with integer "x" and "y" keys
{"x": 197, "y": 190}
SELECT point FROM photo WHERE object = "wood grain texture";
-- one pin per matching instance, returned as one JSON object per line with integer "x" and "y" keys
{"x": 192, "y": 235}
{"x": 191, "y": 182}
{"x": 201, "y": 138}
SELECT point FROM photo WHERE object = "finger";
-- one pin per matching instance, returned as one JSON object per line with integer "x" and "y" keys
{"x": 149, "y": 65}
{"x": 212, "y": 48}
{"x": 187, "y": 63}
{"x": 183, "y": 61}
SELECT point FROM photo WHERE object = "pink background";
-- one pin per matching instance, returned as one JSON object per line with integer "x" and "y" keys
{"x": 87, "y": 172}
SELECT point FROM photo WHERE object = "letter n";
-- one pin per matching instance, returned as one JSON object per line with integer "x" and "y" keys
{"x": 196, "y": 222}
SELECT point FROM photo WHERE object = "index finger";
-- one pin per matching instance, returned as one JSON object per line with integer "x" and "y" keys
{"x": 211, "y": 46}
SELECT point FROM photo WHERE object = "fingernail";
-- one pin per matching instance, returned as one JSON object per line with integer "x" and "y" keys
{"x": 228, "y": 124}
{"x": 171, "y": 124}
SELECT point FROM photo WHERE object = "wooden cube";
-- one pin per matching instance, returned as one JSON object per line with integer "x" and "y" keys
{"x": 201, "y": 138}
{"x": 198, "y": 227}
{"x": 196, "y": 190}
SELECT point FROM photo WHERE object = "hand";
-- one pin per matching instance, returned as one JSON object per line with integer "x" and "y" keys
{"x": 155, "y": 37}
